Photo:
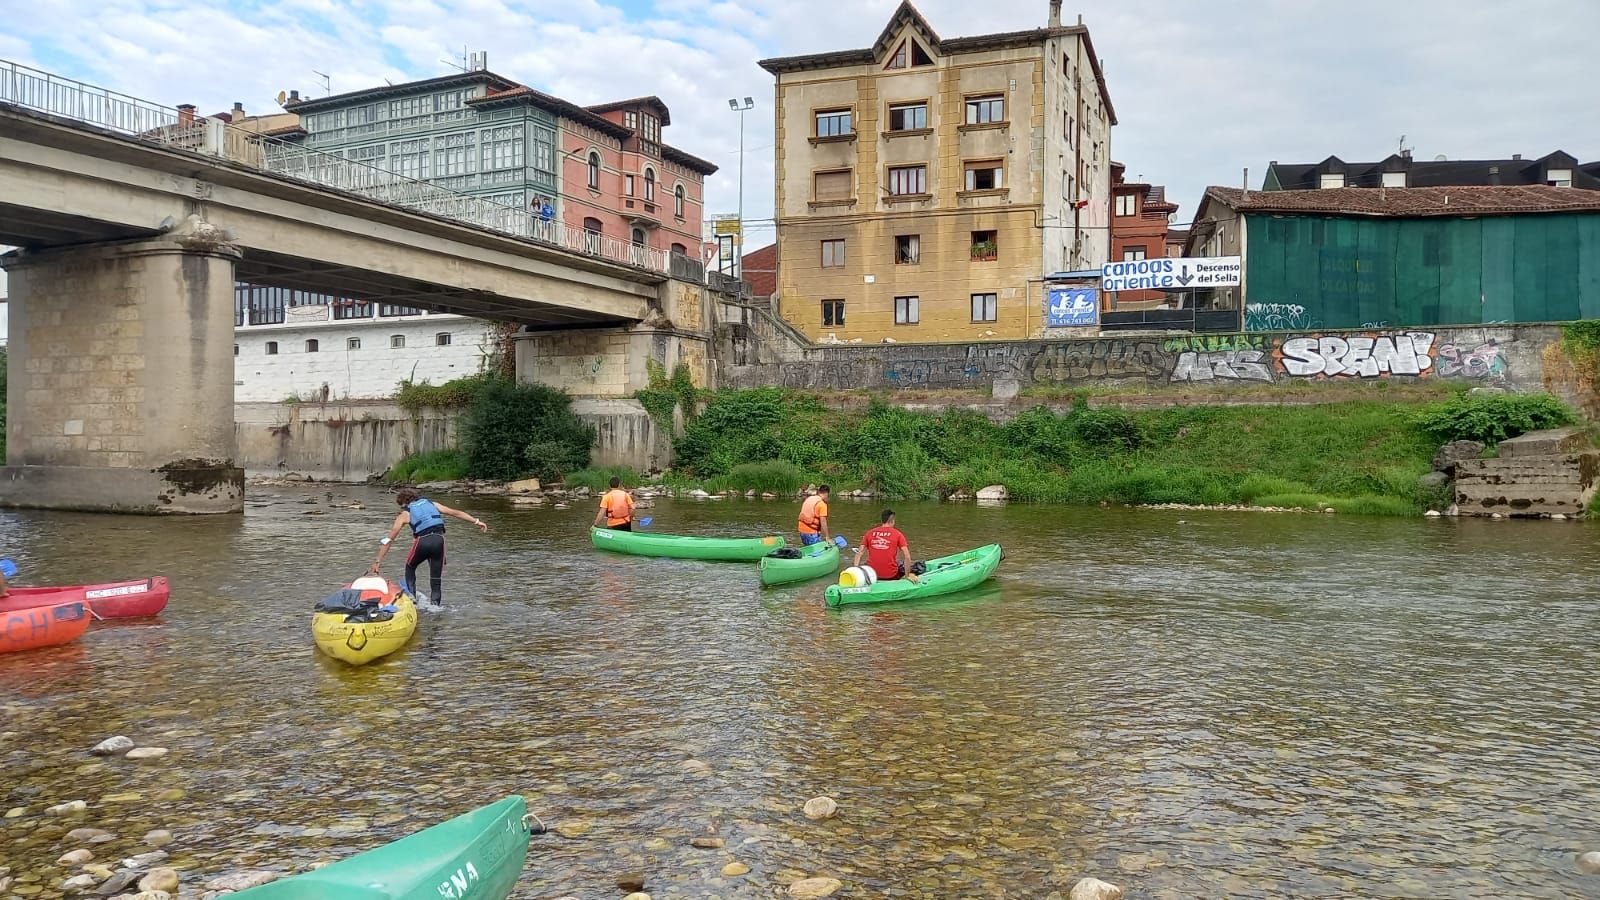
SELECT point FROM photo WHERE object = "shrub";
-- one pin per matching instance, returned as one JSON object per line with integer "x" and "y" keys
{"x": 1104, "y": 430}
{"x": 735, "y": 427}
{"x": 776, "y": 476}
{"x": 599, "y": 478}
{"x": 905, "y": 472}
{"x": 1492, "y": 418}
{"x": 454, "y": 394}
{"x": 436, "y": 465}
{"x": 517, "y": 430}
{"x": 1040, "y": 431}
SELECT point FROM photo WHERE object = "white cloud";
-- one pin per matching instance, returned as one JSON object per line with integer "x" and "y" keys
{"x": 1201, "y": 90}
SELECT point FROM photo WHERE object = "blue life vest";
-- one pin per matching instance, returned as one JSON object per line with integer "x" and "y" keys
{"x": 424, "y": 516}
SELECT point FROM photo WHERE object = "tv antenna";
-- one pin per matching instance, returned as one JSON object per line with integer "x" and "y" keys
{"x": 1402, "y": 149}
{"x": 462, "y": 63}
{"x": 327, "y": 82}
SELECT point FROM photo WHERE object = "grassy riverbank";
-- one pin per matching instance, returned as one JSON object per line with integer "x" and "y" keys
{"x": 1364, "y": 457}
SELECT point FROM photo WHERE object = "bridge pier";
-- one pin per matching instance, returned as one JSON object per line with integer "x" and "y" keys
{"x": 120, "y": 386}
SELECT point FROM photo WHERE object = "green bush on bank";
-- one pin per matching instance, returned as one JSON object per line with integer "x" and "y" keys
{"x": 599, "y": 478}
{"x": 436, "y": 465}
{"x": 1492, "y": 418}
{"x": 508, "y": 431}
{"x": 457, "y": 393}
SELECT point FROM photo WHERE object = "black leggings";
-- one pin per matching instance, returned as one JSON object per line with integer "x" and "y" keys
{"x": 428, "y": 548}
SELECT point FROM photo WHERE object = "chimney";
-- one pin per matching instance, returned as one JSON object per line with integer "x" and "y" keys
{"x": 1494, "y": 174}
{"x": 238, "y": 112}
{"x": 294, "y": 96}
{"x": 1055, "y": 13}
{"x": 186, "y": 114}
{"x": 1246, "y": 194}
{"x": 1405, "y": 154}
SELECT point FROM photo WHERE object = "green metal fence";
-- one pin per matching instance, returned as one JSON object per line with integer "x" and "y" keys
{"x": 1356, "y": 273}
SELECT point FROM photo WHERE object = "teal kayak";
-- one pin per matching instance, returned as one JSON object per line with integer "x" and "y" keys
{"x": 945, "y": 575}
{"x": 477, "y": 856}
{"x": 815, "y": 561}
{"x": 677, "y": 546}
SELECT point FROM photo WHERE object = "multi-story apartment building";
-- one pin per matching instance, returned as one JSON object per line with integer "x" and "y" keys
{"x": 926, "y": 186}
{"x": 605, "y": 169}
{"x": 1557, "y": 169}
{"x": 1140, "y": 214}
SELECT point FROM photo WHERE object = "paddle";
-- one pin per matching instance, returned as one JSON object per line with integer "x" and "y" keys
{"x": 645, "y": 522}
{"x": 8, "y": 568}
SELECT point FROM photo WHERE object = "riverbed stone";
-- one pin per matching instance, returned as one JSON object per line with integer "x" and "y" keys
{"x": 1433, "y": 481}
{"x": 1095, "y": 889}
{"x": 100, "y": 872}
{"x": 1454, "y": 453}
{"x": 994, "y": 492}
{"x": 821, "y": 808}
{"x": 146, "y": 753}
{"x": 15, "y": 812}
{"x": 735, "y": 869}
{"x": 162, "y": 879}
{"x": 812, "y": 888}
{"x": 88, "y": 836}
{"x": 119, "y": 881}
{"x": 637, "y": 895}
{"x": 145, "y": 860}
{"x": 238, "y": 881}
{"x": 525, "y": 486}
{"x": 75, "y": 857}
{"x": 707, "y": 843}
{"x": 69, "y": 808}
{"x": 115, "y": 745}
{"x": 1589, "y": 863}
{"x": 77, "y": 883}
{"x": 632, "y": 882}
{"x": 157, "y": 838}
{"x": 151, "y": 895}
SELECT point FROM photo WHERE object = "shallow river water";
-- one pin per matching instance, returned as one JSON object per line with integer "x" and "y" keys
{"x": 1242, "y": 705}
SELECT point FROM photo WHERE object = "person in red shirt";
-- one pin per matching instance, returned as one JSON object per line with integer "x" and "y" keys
{"x": 884, "y": 548}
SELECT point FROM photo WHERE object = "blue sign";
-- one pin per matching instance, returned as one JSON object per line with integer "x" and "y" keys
{"x": 1071, "y": 307}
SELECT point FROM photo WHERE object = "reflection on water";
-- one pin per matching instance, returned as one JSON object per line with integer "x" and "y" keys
{"x": 1243, "y": 705}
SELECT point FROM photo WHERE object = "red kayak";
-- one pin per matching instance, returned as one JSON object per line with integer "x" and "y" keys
{"x": 118, "y": 600}
{"x": 42, "y": 626}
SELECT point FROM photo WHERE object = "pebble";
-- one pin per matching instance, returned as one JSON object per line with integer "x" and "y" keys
{"x": 89, "y": 836}
{"x": 735, "y": 869}
{"x": 1432, "y": 514}
{"x": 1589, "y": 863}
{"x": 238, "y": 881}
{"x": 821, "y": 808}
{"x": 572, "y": 829}
{"x": 146, "y": 753}
{"x": 815, "y": 887}
{"x": 100, "y": 873}
{"x": 151, "y": 895}
{"x": 113, "y": 746}
{"x": 707, "y": 843}
{"x": 78, "y": 883}
{"x": 1558, "y": 517}
{"x": 1095, "y": 889}
{"x": 119, "y": 880}
{"x": 16, "y": 812}
{"x": 75, "y": 858}
{"x": 145, "y": 860}
{"x": 637, "y": 895}
{"x": 71, "y": 807}
{"x": 632, "y": 882}
{"x": 158, "y": 838}
{"x": 163, "y": 879}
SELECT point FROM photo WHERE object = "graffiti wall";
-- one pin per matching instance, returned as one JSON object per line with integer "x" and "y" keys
{"x": 1508, "y": 356}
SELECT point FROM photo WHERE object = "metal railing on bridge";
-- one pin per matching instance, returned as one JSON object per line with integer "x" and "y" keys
{"x": 33, "y": 89}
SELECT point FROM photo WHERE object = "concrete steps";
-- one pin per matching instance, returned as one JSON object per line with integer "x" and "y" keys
{"x": 1543, "y": 473}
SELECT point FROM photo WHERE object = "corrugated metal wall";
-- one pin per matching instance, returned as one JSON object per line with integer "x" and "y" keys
{"x": 1355, "y": 273}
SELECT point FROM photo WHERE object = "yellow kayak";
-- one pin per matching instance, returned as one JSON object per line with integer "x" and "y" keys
{"x": 359, "y": 642}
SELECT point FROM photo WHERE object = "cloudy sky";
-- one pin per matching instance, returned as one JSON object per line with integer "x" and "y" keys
{"x": 1202, "y": 90}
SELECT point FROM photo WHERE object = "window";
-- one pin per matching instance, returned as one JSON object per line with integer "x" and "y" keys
{"x": 397, "y": 341}
{"x": 907, "y": 249}
{"x": 502, "y": 149}
{"x": 593, "y": 226}
{"x": 983, "y": 307}
{"x": 312, "y": 346}
{"x": 989, "y": 175}
{"x": 904, "y": 180}
{"x": 409, "y": 159}
{"x": 442, "y": 339}
{"x": 1130, "y": 254}
{"x": 638, "y": 237}
{"x": 649, "y": 185}
{"x": 909, "y": 53}
{"x": 677, "y": 201}
{"x": 833, "y": 314}
{"x": 1331, "y": 181}
{"x": 680, "y": 250}
{"x": 352, "y": 343}
{"x": 986, "y": 110}
{"x": 627, "y": 185}
{"x": 985, "y": 247}
{"x": 454, "y": 155}
{"x": 1394, "y": 179}
{"x": 591, "y": 235}
{"x": 235, "y": 349}
{"x": 594, "y": 171}
{"x": 833, "y": 254}
{"x": 272, "y": 348}
{"x": 1127, "y": 204}
{"x": 908, "y": 116}
{"x": 652, "y": 128}
{"x": 630, "y": 119}
{"x": 905, "y": 310}
{"x": 1558, "y": 177}
{"x": 833, "y": 186}
{"x": 834, "y": 123}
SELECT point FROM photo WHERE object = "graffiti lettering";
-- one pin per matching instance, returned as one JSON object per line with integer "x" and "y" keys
{"x": 1362, "y": 356}
{"x": 1482, "y": 361}
{"x": 1237, "y": 365}
{"x": 1275, "y": 317}
{"x": 1214, "y": 343}
{"x": 1110, "y": 359}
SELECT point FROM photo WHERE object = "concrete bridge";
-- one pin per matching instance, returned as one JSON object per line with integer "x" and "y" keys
{"x": 133, "y": 228}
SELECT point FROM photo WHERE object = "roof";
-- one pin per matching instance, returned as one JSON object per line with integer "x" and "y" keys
{"x": 673, "y": 154}
{"x": 1431, "y": 173}
{"x": 454, "y": 79}
{"x": 651, "y": 101}
{"x": 1177, "y": 235}
{"x": 907, "y": 14}
{"x": 521, "y": 93}
{"x": 1457, "y": 200}
{"x": 760, "y": 269}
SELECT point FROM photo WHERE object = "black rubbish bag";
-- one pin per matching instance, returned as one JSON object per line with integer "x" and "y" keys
{"x": 785, "y": 553}
{"x": 919, "y": 568}
{"x": 346, "y": 601}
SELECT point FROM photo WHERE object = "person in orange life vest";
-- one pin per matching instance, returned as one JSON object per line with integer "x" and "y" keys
{"x": 616, "y": 508}
{"x": 814, "y": 518}
{"x": 884, "y": 548}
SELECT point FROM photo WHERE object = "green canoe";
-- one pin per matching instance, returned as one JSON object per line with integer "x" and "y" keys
{"x": 945, "y": 575}
{"x": 677, "y": 546}
{"x": 477, "y": 856}
{"x": 815, "y": 561}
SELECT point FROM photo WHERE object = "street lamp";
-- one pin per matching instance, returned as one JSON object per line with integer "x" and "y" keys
{"x": 740, "y": 108}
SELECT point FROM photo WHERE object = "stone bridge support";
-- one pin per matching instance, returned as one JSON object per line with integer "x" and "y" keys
{"x": 120, "y": 390}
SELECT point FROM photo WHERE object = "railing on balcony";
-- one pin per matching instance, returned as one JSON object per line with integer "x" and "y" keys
{"x": 28, "y": 87}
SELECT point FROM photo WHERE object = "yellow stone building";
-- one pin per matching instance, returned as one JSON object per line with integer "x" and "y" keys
{"x": 926, "y": 185}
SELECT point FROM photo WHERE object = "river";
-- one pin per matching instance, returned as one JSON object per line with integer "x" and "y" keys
{"x": 1185, "y": 704}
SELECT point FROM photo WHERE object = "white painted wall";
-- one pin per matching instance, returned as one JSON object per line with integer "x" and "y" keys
{"x": 372, "y": 372}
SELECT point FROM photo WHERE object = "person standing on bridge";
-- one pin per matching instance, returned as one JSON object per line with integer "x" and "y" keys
{"x": 426, "y": 519}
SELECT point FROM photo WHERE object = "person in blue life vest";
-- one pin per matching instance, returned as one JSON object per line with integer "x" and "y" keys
{"x": 426, "y": 519}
